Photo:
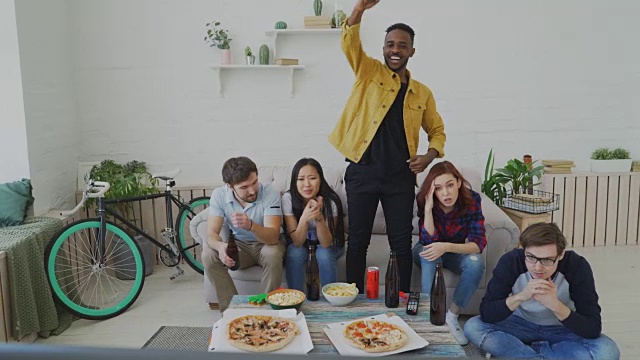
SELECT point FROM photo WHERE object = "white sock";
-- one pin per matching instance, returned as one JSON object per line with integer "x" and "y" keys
{"x": 452, "y": 315}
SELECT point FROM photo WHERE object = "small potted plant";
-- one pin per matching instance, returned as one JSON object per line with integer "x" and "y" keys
{"x": 218, "y": 37}
{"x": 251, "y": 59}
{"x": 605, "y": 160}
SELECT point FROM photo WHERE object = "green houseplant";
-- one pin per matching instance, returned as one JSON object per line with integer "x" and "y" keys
{"x": 251, "y": 59}
{"x": 516, "y": 174}
{"x": 493, "y": 185}
{"x": 605, "y": 160}
{"x": 219, "y": 37}
{"x": 126, "y": 180}
{"x": 216, "y": 36}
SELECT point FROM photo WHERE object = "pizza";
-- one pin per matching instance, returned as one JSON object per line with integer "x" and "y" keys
{"x": 259, "y": 333}
{"x": 375, "y": 336}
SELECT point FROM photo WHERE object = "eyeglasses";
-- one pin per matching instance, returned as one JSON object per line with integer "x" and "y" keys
{"x": 544, "y": 261}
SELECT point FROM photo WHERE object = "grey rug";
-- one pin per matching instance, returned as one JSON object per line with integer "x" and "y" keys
{"x": 197, "y": 339}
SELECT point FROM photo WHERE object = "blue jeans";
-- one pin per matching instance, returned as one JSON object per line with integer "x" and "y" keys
{"x": 515, "y": 337}
{"x": 296, "y": 261}
{"x": 470, "y": 267}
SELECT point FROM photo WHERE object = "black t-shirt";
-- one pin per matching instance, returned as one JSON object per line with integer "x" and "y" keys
{"x": 388, "y": 151}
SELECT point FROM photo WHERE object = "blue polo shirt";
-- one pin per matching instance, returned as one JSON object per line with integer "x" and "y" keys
{"x": 223, "y": 204}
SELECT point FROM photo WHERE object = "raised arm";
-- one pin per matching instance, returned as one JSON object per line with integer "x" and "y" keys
{"x": 351, "y": 44}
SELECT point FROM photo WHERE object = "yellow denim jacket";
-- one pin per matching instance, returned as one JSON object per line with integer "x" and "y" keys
{"x": 374, "y": 91}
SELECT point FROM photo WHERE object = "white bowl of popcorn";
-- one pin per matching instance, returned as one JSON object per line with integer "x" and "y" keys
{"x": 340, "y": 294}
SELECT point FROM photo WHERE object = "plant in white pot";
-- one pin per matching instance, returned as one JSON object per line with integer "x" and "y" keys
{"x": 605, "y": 160}
{"x": 218, "y": 37}
{"x": 251, "y": 59}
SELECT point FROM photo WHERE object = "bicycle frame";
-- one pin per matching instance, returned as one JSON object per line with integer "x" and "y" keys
{"x": 169, "y": 199}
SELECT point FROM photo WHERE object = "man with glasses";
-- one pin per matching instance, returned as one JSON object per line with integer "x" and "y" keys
{"x": 541, "y": 303}
{"x": 252, "y": 213}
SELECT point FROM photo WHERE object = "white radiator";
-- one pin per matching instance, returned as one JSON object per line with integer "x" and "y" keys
{"x": 596, "y": 209}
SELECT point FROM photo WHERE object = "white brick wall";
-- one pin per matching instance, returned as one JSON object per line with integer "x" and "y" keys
{"x": 553, "y": 79}
{"x": 14, "y": 155}
{"x": 49, "y": 101}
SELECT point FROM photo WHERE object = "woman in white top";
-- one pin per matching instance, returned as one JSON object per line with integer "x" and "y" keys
{"x": 308, "y": 218}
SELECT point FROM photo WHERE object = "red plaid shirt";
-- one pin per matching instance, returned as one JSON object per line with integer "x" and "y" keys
{"x": 455, "y": 227}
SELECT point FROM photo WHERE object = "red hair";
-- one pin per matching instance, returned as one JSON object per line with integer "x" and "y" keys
{"x": 441, "y": 168}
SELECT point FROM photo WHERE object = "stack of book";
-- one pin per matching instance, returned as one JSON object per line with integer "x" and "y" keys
{"x": 635, "y": 166}
{"x": 558, "y": 166}
{"x": 317, "y": 22}
{"x": 285, "y": 61}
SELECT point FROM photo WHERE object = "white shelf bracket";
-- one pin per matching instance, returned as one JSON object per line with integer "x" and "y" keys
{"x": 291, "y": 77}
{"x": 220, "y": 92}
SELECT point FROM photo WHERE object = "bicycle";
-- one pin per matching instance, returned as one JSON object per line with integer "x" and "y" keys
{"x": 96, "y": 270}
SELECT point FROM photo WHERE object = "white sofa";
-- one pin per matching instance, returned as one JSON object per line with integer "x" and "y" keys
{"x": 502, "y": 236}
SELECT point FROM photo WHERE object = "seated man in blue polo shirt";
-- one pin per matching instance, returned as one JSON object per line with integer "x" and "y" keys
{"x": 252, "y": 213}
{"x": 541, "y": 303}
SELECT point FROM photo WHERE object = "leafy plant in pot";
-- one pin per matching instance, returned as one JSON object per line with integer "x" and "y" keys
{"x": 518, "y": 175}
{"x": 605, "y": 160}
{"x": 493, "y": 185}
{"x": 218, "y": 37}
{"x": 126, "y": 180}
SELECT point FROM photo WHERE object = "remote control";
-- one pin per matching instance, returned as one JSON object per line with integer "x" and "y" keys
{"x": 412, "y": 303}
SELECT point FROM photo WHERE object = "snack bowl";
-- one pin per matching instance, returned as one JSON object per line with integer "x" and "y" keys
{"x": 340, "y": 300}
{"x": 280, "y": 299}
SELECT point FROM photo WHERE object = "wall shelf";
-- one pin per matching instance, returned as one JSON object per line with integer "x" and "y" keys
{"x": 290, "y": 68}
{"x": 279, "y": 32}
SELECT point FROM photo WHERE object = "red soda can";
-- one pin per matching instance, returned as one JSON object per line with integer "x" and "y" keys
{"x": 373, "y": 280}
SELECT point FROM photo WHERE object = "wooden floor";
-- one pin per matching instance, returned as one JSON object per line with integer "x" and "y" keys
{"x": 180, "y": 303}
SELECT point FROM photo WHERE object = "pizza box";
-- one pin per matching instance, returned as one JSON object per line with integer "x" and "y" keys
{"x": 301, "y": 344}
{"x": 335, "y": 333}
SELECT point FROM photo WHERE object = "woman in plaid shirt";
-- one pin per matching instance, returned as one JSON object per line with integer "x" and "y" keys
{"x": 452, "y": 233}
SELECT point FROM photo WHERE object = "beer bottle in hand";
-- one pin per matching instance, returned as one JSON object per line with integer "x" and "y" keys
{"x": 438, "y": 306}
{"x": 232, "y": 251}
{"x": 392, "y": 283}
{"x": 313, "y": 274}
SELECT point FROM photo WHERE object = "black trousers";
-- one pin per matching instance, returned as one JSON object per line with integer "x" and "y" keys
{"x": 366, "y": 186}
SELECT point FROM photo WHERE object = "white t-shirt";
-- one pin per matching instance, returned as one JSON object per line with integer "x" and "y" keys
{"x": 287, "y": 209}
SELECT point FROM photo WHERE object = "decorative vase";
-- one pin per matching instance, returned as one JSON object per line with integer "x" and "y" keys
{"x": 251, "y": 60}
{"x": 226, "y": 57}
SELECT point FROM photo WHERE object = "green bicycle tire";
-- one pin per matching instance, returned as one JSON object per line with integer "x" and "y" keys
{"x": 184, "y": 215}
{"x": 56, "y": 248}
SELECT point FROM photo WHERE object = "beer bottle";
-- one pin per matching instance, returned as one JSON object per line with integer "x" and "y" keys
{"x": 392, "y": 283}
{"x": 438, "y": 306}
{"x": 313, "y": 274}
{"x": 528, "y": 187}
{"x": 232, "y": 251}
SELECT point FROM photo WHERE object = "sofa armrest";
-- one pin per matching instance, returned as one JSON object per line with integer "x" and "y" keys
{"x": 198, "y": 226}
{"x": 502, "y": 234}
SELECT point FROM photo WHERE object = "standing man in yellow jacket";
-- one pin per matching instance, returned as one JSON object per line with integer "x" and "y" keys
{"x": 378, "y": 133}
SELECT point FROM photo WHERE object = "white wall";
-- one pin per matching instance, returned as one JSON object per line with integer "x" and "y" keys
{"x": 14, "y": 157}
{"x": 553, "y": 79}
{"x": 49, "y": 99}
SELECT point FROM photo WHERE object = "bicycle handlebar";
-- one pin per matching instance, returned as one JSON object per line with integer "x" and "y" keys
{"x": 101, "y": 186}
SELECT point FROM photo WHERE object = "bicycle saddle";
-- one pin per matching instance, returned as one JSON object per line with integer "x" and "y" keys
{"x": 167, "y": 175}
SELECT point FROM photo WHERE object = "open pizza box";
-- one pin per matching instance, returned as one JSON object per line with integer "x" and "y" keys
{"x": 301, "y": 344}
{"x": 335, "y": 333}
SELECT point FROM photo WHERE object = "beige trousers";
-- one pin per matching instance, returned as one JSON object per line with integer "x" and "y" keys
{"x": 270, "y": 257}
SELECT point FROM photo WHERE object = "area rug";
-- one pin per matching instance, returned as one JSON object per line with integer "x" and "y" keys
{"x": 197, "y": 339}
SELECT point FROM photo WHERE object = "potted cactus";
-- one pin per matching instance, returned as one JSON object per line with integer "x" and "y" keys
{"x": 251, "y": 59}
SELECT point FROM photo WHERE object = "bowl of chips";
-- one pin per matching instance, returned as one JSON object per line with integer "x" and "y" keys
{"x": 286, "y": 299}
{"x": 340, "y": 294}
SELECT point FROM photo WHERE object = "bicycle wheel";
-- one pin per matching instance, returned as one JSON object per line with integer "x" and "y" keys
{"x": 87, "y": 284}
{"x": 190, "y": 248}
